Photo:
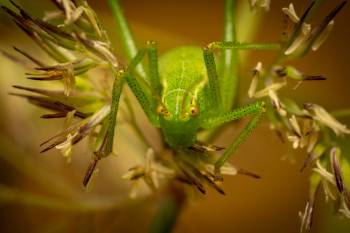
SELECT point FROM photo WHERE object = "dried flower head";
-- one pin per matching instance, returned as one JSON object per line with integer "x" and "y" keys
{"x": 305, "y": 37}
{"x": 309, "y": 126}
{"x": 77, "y": 45}
{"x": 263, "y": 4}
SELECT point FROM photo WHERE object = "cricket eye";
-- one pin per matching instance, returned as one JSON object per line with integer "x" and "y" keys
{"x": 161, "y": 110}
{"x": 194, "y": 110}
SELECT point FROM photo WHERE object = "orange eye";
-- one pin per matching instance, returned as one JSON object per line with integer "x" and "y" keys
{"x": 161, "y": 110}
{"x": 194, "y": 110}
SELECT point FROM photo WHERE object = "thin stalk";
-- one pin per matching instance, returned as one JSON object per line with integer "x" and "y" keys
{"x": 168, "y": 210}
{"x": 29, "y": 199}
{"x": 341, "y": 113}
{"x": 229, "y": 60}
{"x": 125, "y": 37}
{"x": 248, "y": 24}
{"x": 133, "y": 122}
{"x": 248, "y": 21}
{"x": 258, "y": 46}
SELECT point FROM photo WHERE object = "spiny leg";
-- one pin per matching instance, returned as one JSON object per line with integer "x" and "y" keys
{"x": 218, "y": 88}
{"x": 214, "y": 85}
{"x": 257, "y": 108}
{"x": 153, "y": 74}
{"x": 141, "y": 89}
{"x": 244, "y": 46}
{"x": 143, "y": 92}
{"x": 223, "y": 90}
{"x": 148, "y": 95}
{"x": 235, "y": 114}
{"x": 106, "y": 146}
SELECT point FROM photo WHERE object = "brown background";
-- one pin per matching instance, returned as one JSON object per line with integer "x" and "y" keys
{"x": 268, "y": 205}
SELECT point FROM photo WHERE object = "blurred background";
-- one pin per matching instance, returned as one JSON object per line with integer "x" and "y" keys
{"x": 42, "y": 193}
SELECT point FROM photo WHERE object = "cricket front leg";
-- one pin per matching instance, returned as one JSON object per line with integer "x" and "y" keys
{"x": 106, "y": 146}
{"x": 145, "y": 94}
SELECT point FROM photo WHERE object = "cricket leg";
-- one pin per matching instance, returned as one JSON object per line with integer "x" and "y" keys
{"x": 147, "y": 93}
{"x": 146, "y": 96}
{"x": 214, "y": 85}
{"x": 106, "y": 147}
{"x": 220, "y": 89}
{"x": 257, "y": 109}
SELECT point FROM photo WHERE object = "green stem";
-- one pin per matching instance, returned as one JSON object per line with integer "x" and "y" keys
{"x": 11, "y": 195}
{"x": 125, "y": 36}
{"x": 341, "y": 113}
{"x": 229, "y": 83}
{"x": 248, "y": 21}
{"x": 133, "y": 122}
{"x": 258, "y": 46}
{"x": 230, "y": 22}
{"x": 168, "y": 210}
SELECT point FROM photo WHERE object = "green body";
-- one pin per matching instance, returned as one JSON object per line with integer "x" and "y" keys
{"x": 184, "y": 83}
{"x": 183, "y": 91}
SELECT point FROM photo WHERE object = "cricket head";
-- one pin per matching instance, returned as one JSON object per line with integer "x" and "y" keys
{"x": 179, "y": 118}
